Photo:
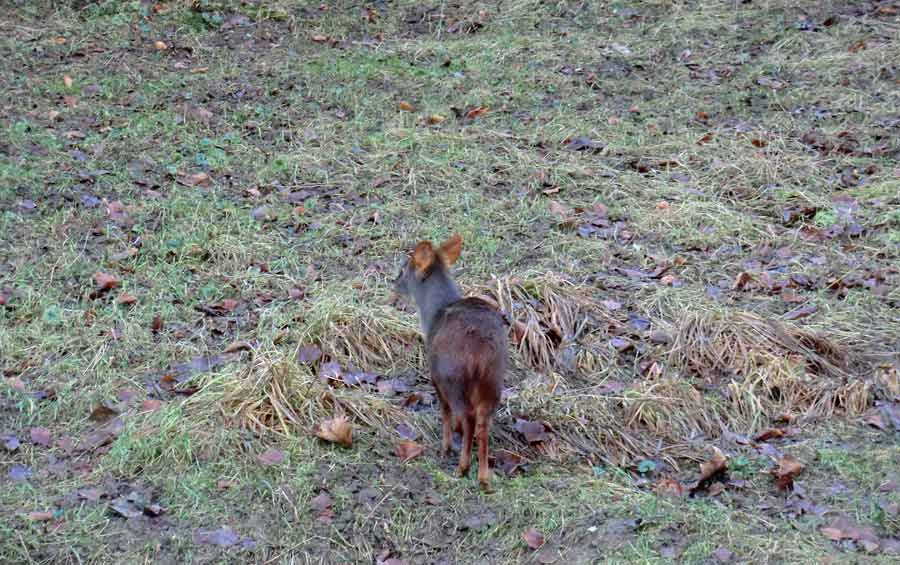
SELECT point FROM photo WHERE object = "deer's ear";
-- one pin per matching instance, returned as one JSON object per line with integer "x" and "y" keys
{"x": 451, "y": 249}
{"x": 423, "y": 257}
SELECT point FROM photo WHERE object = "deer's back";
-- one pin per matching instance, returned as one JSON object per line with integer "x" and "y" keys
{"x": 467, "y": 354}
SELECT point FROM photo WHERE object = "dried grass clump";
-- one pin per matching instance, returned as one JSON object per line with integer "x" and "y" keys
{"x": 620, "y": 429}
{"x": 551, "y": 314}
{"x": 769, "y": 367}
{"x": 753, "y": 370}
{"x": 273, "y": 394}
{"x": 368, "y": 337}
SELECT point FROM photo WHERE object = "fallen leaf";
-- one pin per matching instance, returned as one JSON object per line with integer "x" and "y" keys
{"x": 160, "y": 45}
{"x": 669, "y": 487}
{"x": 723, "y": 555}
{"x": 801, "y": 312}
{"x": 101, "y": 436}
{"x": 238, "y": 346}
{"x": 476, "y": 112}
{"x": 875, "y": 420}
{"x": 710, "y": 470}
{"x": 103, "y": 413}
{"x": 157, "y": 324}
{"x": 716, "y": 464}
{"x": 105, "y": 281}
{"x": 126, "y": 299}
{"x": 91, "y": 494}
{"x": 19, "y": 473}
{"x": 336, "y": 430}
{"x": 508, "y": 461}
{"x": 319, "y": 38}
{"x": 582, "y": 144}
{"x": 670, "y": 280}
{"x": 195, "y": 179}
{"x": 151, "y": 405}
{"x": 407, "y": 450}
{"x": 842, "y": 528}
{"x": 534, "y": 432}
{"x": 321, "y": 502}
{"x": 533, "y": 538}
{"x": 611, "y": 304}
{"x": 67, "y": 81}
{"x": 263, "y": 214}
{"x": 40, "y": 516}
{"x": 225, "y": 484}
{"x": 225, "y": 306}
{"x": 406, "y": 106}
{"x": 223, "y": 537}
{"x": 741, "y": 280}
{"x": 788, "y": 468}
{"x": 41, "y": 436}
{"x": 771, "y": 433}
{"x": 16, "y": 384}
{"x": 434, "y": 119}
{"x": 11, "y": 443}
{"x": 559, "y": 210}
{"x": 271, "y": 456}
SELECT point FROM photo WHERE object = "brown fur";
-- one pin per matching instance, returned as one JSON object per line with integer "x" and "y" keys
{"x": 467, "y": 359}
{"x": 466, "y": 342}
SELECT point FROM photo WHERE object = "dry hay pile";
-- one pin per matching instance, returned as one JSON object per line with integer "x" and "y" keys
{"x": 273, "y": 394}
{"x": 724, "y": 372}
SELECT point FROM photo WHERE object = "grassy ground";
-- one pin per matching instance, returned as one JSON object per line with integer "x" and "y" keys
{"x": 691, "y": 210}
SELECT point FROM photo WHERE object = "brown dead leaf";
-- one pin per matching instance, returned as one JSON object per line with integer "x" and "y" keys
{"x": 716, "y": 464}
{"x": 771, "y": 433}
{"x": 801, "y": 312}
{"x": 225, "y": 484}
{"x": 196, "y": 179}
{"x": 711, "y": 470}
{"x": 788, "y": 468}
{"x": 533, "y": 538}
{"x": 150, "y": 405}
{"x": 157, "y": 324}
{"x": 407, "y": 449}
{"x": 40, "y": 516}
{"x": 160, "y": 45}
{"x": 561, "y": 211}
{"x": 669, "y": 487}
{"x": 271, "y": 456}
{"x": 67, "y": 81}
{"x": 741, "y": 280}
{"x": 476, "y": 112}
{"x": 308, "y": 354}
{"x": 336, "y": 430}
{"x": 239, "y": 345}
{"x": 105, "y": 281}
{"x": 319, "y": 38}
{"x": 126, "y": 299}
{"x": 434, "y": 119}
{"x": 534, "y": 432}
{"x": 406, "y": 106}
{"x": 723, "y": 555}
{"x": 102, "y": 413}
{"x": 41, "y": 436}
{"x": 509, "y": 462}
{"x": 842, "y": 528}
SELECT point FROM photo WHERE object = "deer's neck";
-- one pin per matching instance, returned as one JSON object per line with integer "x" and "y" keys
{"x": 436, "y": 292}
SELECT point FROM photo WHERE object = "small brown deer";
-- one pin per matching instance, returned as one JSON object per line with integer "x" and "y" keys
{"x": 466, "y": 341}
